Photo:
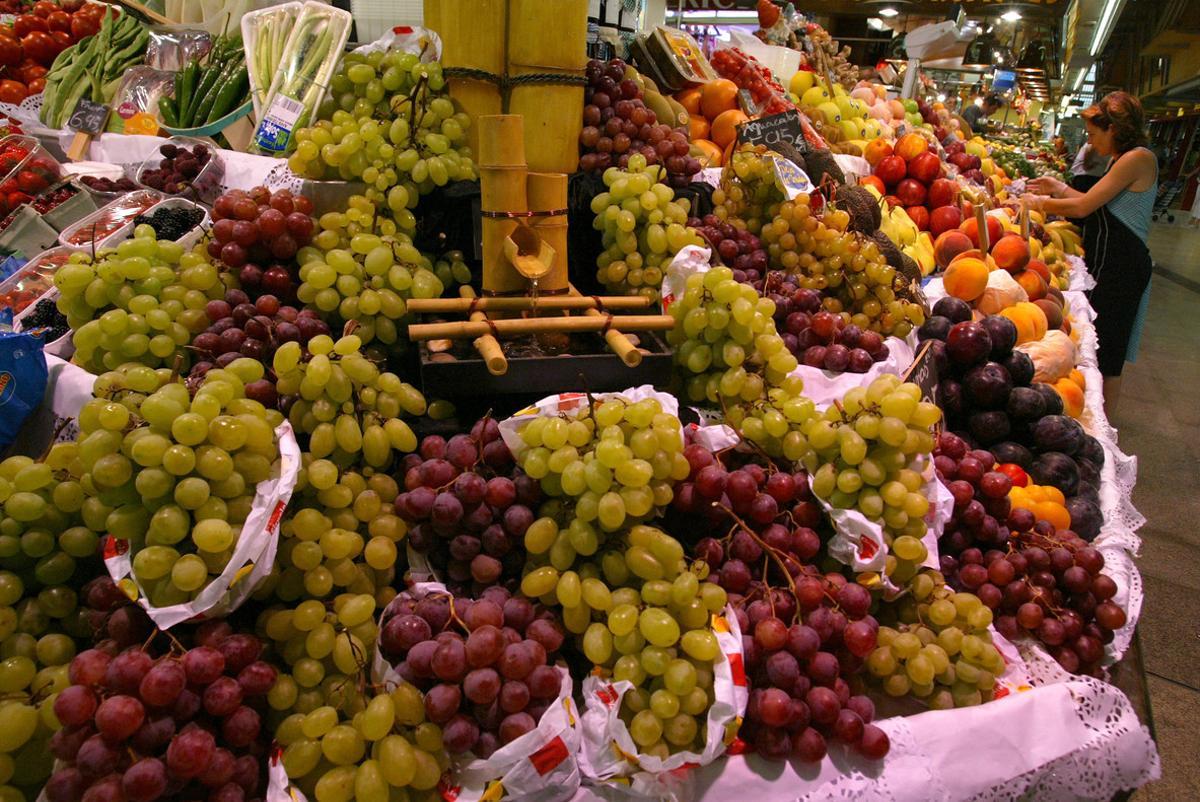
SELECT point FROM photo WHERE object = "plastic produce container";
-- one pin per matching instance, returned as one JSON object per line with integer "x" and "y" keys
{"x": 204, "y": 187}
{"x": 63, "y": 347}
{"x": 26, "y": 231}
{"x": 75, "y": 208}
{"x": 187, "y": 240}
{"x": 28, "y": 170}
{"x": 33, "y": 280}
{"x": 99, "y": 227}
{"x": 676, "y": 58}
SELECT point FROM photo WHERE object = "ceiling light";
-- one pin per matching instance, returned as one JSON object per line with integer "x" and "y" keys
{"x": 941, "y": 97}
{"x": 1011, "y": 16}
{"x": 888, "y": 11}
{"x": 875, "y": 23}
{"x": 1078, "y": 81}
{"x": 1107, "y": 18}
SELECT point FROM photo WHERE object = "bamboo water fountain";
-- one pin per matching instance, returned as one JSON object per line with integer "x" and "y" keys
{"x": 525, "y": 287}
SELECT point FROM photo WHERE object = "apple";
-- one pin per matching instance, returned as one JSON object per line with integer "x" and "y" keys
{"x": 925, "y": 167}
{"x": 919, "y": 215}
{"x": 892, "y": 200}
{"x": 873, "y": 181}
{"x": 941, "y": 193}
{"x": 944, "y": 218}
{"x": 911, "y": 192}
{"x": 960, "y": 159}
{"x": 891, "y": 169}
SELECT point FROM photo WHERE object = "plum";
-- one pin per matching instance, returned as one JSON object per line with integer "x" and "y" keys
{"x": 987, "y": 386}
{"x": 1057, "y": 433}
{"x": 968, "y": 344}
{"x": 937, "y": 353}
{"x": 1089, "y": 472}
{"x": 935, "y": 328}
{"x": 950, "y": 398}
{"x": 1091, "y": 449}
{"x": 1019, "y": 367}
{"x": 956, "y": 309}
{"x": 1003, "y": 333}
{"x": 989, "y": 427}
{"x": 1054, "y": 404}
{"x": 1057, "y": 469}
{"x": 1025, "y": 403}
{"x": 1085, "y": 517}
{"x": 1017, "y": 454}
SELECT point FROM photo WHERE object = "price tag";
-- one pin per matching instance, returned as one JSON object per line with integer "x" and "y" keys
{"x": 774, "y": 130}
{"x": 275, "y": 131}
{"x": 88, "y": 117}
{"x": 794, "y": 181}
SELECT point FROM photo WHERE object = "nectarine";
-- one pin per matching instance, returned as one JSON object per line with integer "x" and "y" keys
{"x": 1053, "y": 312}
{"x": 948, "y": 245}
{"x": 1033, "y": 284}
{"x": 1039, "y": 267}
{"x": 910, "y": 146}
{"x": 966, "y": 279}
{"x": 1011, "y": 252}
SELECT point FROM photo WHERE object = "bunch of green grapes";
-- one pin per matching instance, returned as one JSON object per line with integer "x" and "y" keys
{"x": 177, "y": 477}
{"x": 643, "y": 227}
{"x": 641, "y": 614}
{"x": 616, "y": 460}
{"x": 749, "y": 195}
{"x": 347, "y": 407}
{"x": 935, "y": 644}
{"x": 389, "y": 122}
{"x": 342, "y": 535}
{"x": 361, "y": 268}
{"x": 143, "y": 301}
{"x": 867, "y": 453}
{"x": 342, "y": 739}
{"x": 726, "y": 344}
{"x": 849, "y": 269}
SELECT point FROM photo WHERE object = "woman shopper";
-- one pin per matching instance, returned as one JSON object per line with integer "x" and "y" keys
{"x": 1115, "y": 237}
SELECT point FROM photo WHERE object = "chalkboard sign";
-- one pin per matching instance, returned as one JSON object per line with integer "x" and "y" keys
{"x": 775, "y": 131}
{"x": 88, "y": 117}
{"x": 923, "y": 373}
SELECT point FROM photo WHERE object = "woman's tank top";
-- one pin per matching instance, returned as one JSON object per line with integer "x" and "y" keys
{"x": 1134, "y": 209}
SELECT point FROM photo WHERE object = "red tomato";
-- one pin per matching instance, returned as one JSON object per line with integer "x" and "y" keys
{"x": 62, "y": 40}
{"x": 40, "y": 47}
{"x": 1014, "y": 472}
{"x": 32, "y": 73}
{"x": 83, "y": 24}
{"x": 13, "y": 91}
{"x": 37, "y": 86}
{"x": 44, "y": 8}
{"x": 15, "y": 199}
{"x": 59, "y": 21}
{"x": 8, "y": 33}
{"x": 71, "y": 6}
{"x": 27, "y": 23}
{"x": 11, "y": 52}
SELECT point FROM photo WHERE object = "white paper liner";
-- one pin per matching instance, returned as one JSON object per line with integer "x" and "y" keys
{"x": 825, "y": 386}
{"x": 252, "y": 560}
{"x": 609, "y": 752}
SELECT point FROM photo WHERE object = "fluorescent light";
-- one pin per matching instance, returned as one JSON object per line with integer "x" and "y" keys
{"x": 1011, "y": 16}
{"x": 1078, "y": 80}
{"x": 875, "y": 23}
{"x": 1104, "y": 27}
{"x": 941, "y": 97}
{"x": 888, "y": 11}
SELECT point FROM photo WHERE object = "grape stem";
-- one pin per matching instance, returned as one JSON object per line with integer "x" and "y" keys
{"x": 773, "y": 552}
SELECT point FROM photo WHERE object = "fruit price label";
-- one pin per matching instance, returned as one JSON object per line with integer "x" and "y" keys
{"x": 88, "y": 117}
{"x": 782, "y": 133}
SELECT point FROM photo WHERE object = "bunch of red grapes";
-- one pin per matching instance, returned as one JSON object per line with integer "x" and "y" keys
{"x": 139, "y": 726}
{"x": 617, "y": 124}
{"x": 818, "y": 338}
{"x": 257, "y": 233}
{"x": 240, "y": 327}
{"x": 739, "y": 250}
{"x": 486, "y": 666}
{"x": 803, "y": 632}
{"x": 469, "y": 506}
{"x": 1039, "y": 581}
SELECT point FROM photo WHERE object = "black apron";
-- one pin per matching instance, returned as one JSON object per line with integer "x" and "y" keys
{"x": 1120, "y": 262}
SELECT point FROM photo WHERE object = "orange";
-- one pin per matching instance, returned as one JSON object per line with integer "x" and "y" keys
{"x": 718, "y": 96}
{"x": 1076, "y": 376}
{"x": 690, "y": 100}
{"x": 724, "y": 126}
{"x": 712, "y": 155}
{"x": 697, "y": 127}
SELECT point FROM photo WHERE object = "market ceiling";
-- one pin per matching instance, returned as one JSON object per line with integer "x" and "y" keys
{"x": 922, "y": 8}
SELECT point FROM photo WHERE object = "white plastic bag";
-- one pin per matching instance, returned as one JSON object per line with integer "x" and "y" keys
{"x": 1002, "y": 291}
{"x": 421, "y": 42}
{"x": 609, "y": 750}
{"x": 1054, "y": 356}
{"x": 690, "y": 259}
{"x": 253, "y": 557}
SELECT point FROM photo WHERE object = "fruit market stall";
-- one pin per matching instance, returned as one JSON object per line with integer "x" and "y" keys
{"x": 450, "y": 418}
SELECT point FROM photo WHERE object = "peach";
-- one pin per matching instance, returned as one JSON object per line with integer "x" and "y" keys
{"x": 1029, "y": 319}
{"x": 1077, "y": 376}
{"x": 1072, "y": 396}
{"x": 966, "y": 279}
{"x": 948, "y": 245}
{"x": 1011, "y": 252}
{"x": 876, "y": 151}
{"x": 1033, "y": 284}
{"x": 1053, "y": 312}
{"x": 971, "y": 228}
{"x": 910, "y": 146}
{"x": 1039, "y": 267}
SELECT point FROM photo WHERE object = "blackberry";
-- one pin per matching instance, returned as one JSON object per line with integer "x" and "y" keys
{"x": 45, "y": 314}
{"x": 171, "y": 223}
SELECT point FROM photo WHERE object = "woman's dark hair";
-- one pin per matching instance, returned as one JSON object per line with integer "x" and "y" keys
{"x": 1121, "y": 113}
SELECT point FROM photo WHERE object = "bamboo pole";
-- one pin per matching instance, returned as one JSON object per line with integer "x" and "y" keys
{"x": 537, "y": 325}
{"x": 487, "y": 345}
{"x": 524, "y": 303}
{"x": 618, "y": 342}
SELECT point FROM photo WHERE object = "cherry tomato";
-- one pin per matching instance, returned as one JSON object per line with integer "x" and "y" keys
{"x": 40, "y": 47}
{"x": 62, "y": 40}
{"x": 27, "y": 23}
{"x": 1014, "y": 472}
{"x": 44, "y": 8}
{"x": 11, "y": 52}
{"x": 59, "y": 21}
{"x": 83, "y": 24}
{"x": 8, "y": 33}
{"x": 13, "y": 91}
{"x": 32, "y": 73}
{"x": 71, "y": 6}
{"x": 37, "y": 86}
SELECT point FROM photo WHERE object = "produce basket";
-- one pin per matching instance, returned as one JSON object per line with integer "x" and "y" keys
{"x": 204, "y": 186}
{"x": 33, "y": 280}
{"x": 213, "y": 128}
{"x": 107, "y": 223}
{"x": 26, "y": 231}
{"x": 28, "y": 169}
{"x": 76, "y": 207}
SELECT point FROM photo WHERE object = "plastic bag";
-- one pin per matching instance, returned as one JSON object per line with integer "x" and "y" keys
{"x": 23, "y": 375}
{"x": 406, "y": 39}
{"x": 1054, "y": 356}
{"x": 1002, "y": 292}
{"x": 171, "y": 49}
{"x": 135, "y": 105}
{"x": 253, "y": 556}
{"x": 539, "y": 766}
{"x": 825, "y": 386}
{"x": 690, "y": 259}
{"x": 609, "y": 750}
